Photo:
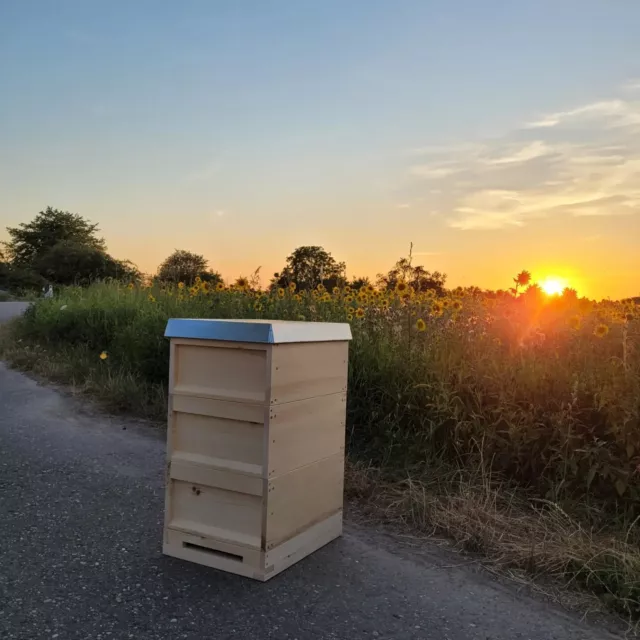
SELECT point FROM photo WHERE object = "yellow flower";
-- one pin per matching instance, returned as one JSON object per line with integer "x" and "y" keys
{"x": 130, "y": 287}
{"x": 180, "y": 285}
{"x": 220, "y": 286}
{"x": 575, "y": 322}
{"x": 349, "y": 317}
{"x": 601, "y": 330}
{"x": 104, "y": 355}
{"x": 326, "y": 297}
{"x": 320, "y": 287}
{"x": 297, "y": 297}
{"x": 456, "y": 305}
{"x": 336, "y": 291}
{"x": 384, "y": 304}
{"x": 198, "y": 280}
{"x": 242, "y": 283}
{"x": 152, "y": 298}
{"x": 402, "y": 287}
{"x": 349, "y": 299}
{"x": 280, "y": 293}
{"x": 437, "y": 310}
{"x": 421, "y": 325}
{"x": 257, "y": 306}
{"x": 193, "y": 291}
{"x": 359, "y": 312}
{"x": 369, "y": 288}
{"x": 347, "y": 289}
{"x": 446, "y": 303}
{"x": 431, "y": 293}
{"x": 292, "y": 286}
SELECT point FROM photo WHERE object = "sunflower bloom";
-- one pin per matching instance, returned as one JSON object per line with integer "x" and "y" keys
{"x": 151, "y": 298}
{"x": 421, "y": 325}
{"x": 257, "y": 306}
{"x": 220, "y": 286}
{"x": 321, "y": 287}
{"x": 297, "y": 297}
{"x": 242, "y": 283}
{"x": 280, "y": 293}
{"x": 130, "y": 286}
{"x": 292, "y": 286}
{"x": 359, "y": 312}
{"x": 349, "y": 299}
{"x": 349, "y": 317}
{"x": 180, "y": 285}
{"x": 601, "y": 331}
{"x": 104, "y": 355}
{"x": 456, "y": 305}
{"x": 575, "y": 322}
{"x": 402, "y": 287}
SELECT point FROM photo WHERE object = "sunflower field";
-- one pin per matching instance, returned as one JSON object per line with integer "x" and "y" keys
{"x": 545, "y": 393}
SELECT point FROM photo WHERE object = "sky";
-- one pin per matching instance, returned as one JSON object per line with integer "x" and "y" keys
{"x": 495, "y": 136}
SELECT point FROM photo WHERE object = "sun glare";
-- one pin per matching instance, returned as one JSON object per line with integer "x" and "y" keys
{"x": 553, "y": 286}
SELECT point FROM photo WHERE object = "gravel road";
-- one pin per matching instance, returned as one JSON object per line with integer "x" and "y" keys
{"x": 81, "y": 500}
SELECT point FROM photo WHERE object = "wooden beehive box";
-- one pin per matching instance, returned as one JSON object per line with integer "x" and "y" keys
{"x": 255, "y": 442}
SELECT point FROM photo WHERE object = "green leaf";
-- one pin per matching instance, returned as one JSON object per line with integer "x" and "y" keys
{"x": 621, "y": 487}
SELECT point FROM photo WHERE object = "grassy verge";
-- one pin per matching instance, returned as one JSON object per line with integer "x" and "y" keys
{"x": 523, "y": 450}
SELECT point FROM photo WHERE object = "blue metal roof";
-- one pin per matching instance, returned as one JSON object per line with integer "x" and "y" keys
{"x": 260, "y": 331}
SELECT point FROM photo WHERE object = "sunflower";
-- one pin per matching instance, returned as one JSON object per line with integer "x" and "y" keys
{"x": 446, "y": 303}
{"x": 601, "y": 331}
{"x": 349, "y": 317}
{"x": 257, "y": 306}
{"x": 431, "y": 293}
{"x": 198, "y": 280}
{"x": 280, "y": 293}
{"x": 131, "y": 285}
{"x": 421, "y": 325}
{"x": 336, "y": 291}
{"x": 220, "y": 286}
{"x": 402, "y": 287}
{"x": 575, "y": 322}
{"x": 180, "y": 285}
{"x": 369, "y": 288}
{"x": 242, "y": 283}
{"x": 292, "y": 286}
{"x": 326, "y": 297}
{"x": 359, "y": 312}
{"x": 321, "y": 288}
{"x": 297, "y": 297}
{"x": 437, "y": 309}
{"x": 193, "y": 291}
{"x": 384, "y": 304}
{"x": 104, "y": 355}
{"x": 456, "y": 305}
{"x": 349, "y": 299}
{"x": 151, "y": 298}
{"x": 347, "y": 289}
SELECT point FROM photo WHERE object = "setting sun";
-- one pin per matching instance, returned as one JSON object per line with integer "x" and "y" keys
{"x": 553, "y": 286}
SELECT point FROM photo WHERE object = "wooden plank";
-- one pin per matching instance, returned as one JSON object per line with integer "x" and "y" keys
{"x": 305, "y": 431}
{"x": 215, "y": 554}
{"x": 307, "y": 370}
{"x": 169, "y": 451}
{"x": 232, "y": 440}
{"x": 217, "y": 513}
{"x": 211, "y": 371}
{"x": 254, "y": 557}
{"x": 213, "y": 472}
{"x": 299, "y": 499}
{"x": 302, "y": 545}
{"x": 223, "y": 344}
{"x": 245, "y": 412}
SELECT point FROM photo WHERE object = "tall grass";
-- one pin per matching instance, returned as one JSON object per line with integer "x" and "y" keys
{"x": 542, "y": 396}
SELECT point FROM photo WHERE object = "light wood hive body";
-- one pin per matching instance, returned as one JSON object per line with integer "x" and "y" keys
{"x": 255, "y": 452}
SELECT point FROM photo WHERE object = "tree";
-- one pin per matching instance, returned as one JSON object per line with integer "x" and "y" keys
{"x": 308, "y": 267}
{"x": 521, "y": 280}
{"x": 185, "y": 266}
{"x": 418, "y": 277}
{"x": 69, "y": 262}
{"x": 358, "y": 283}
{"x": 32, "y": 240}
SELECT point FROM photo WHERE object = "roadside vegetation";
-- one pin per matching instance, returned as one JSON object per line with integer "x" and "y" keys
{"x": 507, "y": 422}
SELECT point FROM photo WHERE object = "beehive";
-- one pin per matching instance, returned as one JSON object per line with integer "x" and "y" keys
{"x": 255, "y": 442}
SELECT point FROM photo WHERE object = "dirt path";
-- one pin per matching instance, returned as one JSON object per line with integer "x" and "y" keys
{"x": 81, "y": 500}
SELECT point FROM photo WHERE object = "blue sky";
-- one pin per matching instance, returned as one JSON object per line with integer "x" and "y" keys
{"x": 494, "y": 135}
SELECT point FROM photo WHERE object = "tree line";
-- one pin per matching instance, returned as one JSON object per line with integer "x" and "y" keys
{"x": 62, "y": 248}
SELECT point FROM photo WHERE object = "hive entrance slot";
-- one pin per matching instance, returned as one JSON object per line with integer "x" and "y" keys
{"x": 213, "y": 552}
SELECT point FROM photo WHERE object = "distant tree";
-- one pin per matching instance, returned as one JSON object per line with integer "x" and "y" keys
{"x": 357, "y": 283}
{"x": 30, "y": 241}
{"x": 308, "y": 267}
{"x": 533, "y": 294}
{"x": 418, "y": 277}
{"x": 185, "y": 266}
{"x": 17, "y": 280}
{"x": 69, "y": 262}
{"x": 521, "y": 280}
{"x": 569, "y": 294}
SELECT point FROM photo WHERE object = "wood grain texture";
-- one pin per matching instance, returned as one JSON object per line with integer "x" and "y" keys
{"x": 307, "y": 370}
{"x": 305, "y": 431}
{"x": 303, "y": 497}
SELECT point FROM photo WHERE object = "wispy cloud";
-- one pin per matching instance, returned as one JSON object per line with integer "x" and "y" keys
{"x": 591, "y": 170}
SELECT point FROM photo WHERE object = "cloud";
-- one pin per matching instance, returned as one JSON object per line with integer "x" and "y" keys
{"x": 403, "y": 205}
{"x": 631, "y": 85}
{"x": 580, "y": 162}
